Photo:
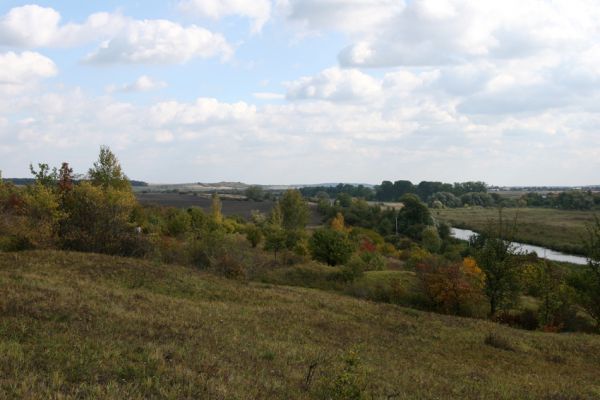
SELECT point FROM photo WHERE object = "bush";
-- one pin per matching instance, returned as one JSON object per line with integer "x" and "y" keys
{"x": 331, "y": 247}
{"x": 254, "y": 235}
{"x": 227, "y": 266}
{"x": 526, "y": 319}
{"x": 499, "y": 342}
{"x": 455, "y": 288}
{"x": 346, "y": 380}
{"x": 431, "y": 239}
{"x": 177, "y": 222}
{"x": 97, "y": 219}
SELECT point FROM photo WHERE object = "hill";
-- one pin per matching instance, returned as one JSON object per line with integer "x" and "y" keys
{"x": 76, "y": 325}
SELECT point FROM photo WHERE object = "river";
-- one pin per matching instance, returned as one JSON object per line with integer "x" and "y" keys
{"x": 542, "y": 252}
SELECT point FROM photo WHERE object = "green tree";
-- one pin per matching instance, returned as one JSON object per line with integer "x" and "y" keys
{"x": 98, "y": 219}
{"x": 107, "y": 172}
{"x": 498, "y": 259}
{"x": 215, "y": 208}
{"x": 431, "y": 239}
{"x": 545, "y": 281}
{"x": 254, "y": 234}
{"x": 294, "y": 210}
{"x": 44, "y": 175}
{"x": 275, "y": 239}
{"x": 589, "y": 285}
{"x": 255, "y": 193}
{"x": 413, "y": 216}
{"x": 330, "y": 246}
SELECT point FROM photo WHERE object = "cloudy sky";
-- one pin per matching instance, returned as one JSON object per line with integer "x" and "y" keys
{"x": 305, "y": 91}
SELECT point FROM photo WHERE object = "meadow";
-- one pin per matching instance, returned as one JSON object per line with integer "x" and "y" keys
{"x": 90, "y": 326}
{"x": 556, "y": 229}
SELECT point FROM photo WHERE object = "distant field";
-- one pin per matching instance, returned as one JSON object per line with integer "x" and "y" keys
{"x": 85, "y": 326}
{"x": 556, "y": 229}
{"x": 242, "y": 208}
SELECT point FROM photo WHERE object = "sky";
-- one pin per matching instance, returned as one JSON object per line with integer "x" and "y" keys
{"x": 305, "y": 91}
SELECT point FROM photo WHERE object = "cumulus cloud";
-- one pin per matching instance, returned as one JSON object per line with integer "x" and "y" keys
{"x": 204, "y": 110}
{"x": 143, "y": 84}
{"x": 302, "y": 141}
{"x": 268, "y": 96}
{"x": 160, "y": 42}
{"x": 33, "y": 26}
{"x": 124, "y": 39}
{"x": 335, "y": 84}
{"x": 19, "y": 69}
{"x": 353, "y": 16}
{"x": 441, "y": 32}
{"x": 259, "y": 11}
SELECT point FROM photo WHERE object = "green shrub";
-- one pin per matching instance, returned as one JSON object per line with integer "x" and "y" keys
{"x": 330, "y": 246}
{"x": 347, "y": 379}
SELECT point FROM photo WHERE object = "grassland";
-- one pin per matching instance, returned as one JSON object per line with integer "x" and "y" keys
{"x": 87, "y": 326}
{"x": 555, "y": 229}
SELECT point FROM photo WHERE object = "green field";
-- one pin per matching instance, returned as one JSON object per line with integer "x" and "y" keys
{"x": 556, "y": 229}
{"x": 86, "y": 326}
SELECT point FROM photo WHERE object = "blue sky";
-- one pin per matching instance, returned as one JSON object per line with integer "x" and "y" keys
{"x": 304, "y": 91}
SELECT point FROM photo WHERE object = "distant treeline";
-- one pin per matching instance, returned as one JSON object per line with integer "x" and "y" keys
{"x": 31, "y": 181}
{"x": 569, "y": 200}
{"x": 439, "y": 194}
{"x": 393, "y": 191}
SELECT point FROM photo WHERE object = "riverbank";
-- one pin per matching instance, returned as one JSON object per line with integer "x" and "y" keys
{"x": 557, "y": 230}
{"x": 542, "y": 252}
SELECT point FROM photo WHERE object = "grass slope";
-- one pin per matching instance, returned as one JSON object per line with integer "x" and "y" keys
{"x": 555, "y": 229}
{"x": 88, "y": 326}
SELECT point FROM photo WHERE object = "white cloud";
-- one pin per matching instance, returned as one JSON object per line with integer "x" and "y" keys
{"x": 268, "y": 96}
{"x": 33, "y": 26}
{"x": 124, "y": 39}
{"x": 19, "y": 69}
{"x": 440, "y": 32}
{"x": 351, "y": 16}
{"x": 417, "y": 133}
{"x": 143, "y": 84}
{"x": 335, "y": 84}
{"x": 160, "y": 42}
{"x": 203, "y": 111}
{"x": 257, "y": 10}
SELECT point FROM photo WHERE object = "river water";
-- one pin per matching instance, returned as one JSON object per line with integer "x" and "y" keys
{"x": 542, "y": 252}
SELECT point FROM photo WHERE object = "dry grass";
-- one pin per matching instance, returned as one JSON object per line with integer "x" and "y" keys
{"x": 88, "y": 326}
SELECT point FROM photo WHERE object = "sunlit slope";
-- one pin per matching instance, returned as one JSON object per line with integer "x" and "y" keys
{"x": 90, "y": 326}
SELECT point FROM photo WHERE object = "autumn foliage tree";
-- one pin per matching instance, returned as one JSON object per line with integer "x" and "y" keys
{"x": 452, "y": 287}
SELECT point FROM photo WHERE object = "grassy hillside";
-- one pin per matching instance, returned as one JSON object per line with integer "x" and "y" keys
{"x": 88, "y": 326}
{"x": 556, "y": 229}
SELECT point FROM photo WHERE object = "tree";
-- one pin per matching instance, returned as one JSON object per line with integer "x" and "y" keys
{"x": 44, "y": 175}
{"x": 337, "y": 223}
{"x": 545, "y": 281}
{"x": 413, "y": 216}
{"x": 275, "y": 239}
{"x": 253, "y": 234}
{"x": 98, "y": 220}
{"x": 431, "y": 239}
{"x": 255, "y": 193}
{"x": 497, "y": 257}
{"x": 331, "y": 247}
{"x": 589, "y": 285}
{"x": 106, "y": 172}
{"x": 215, "y": 208}
{"x": 65, "y": 178}
{"x": 451, "y": 287}
{"x": 294, "y": 210}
